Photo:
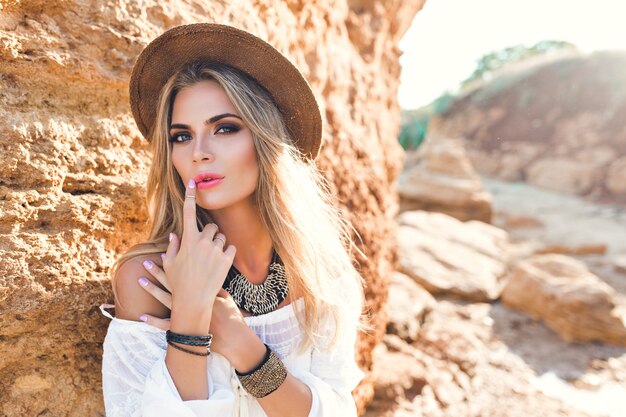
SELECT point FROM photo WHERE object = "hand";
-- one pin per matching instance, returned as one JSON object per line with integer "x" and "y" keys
{"x": 227, "y": 323}
{"x": 195, "y": 266}
{"x": 163, "y": 296}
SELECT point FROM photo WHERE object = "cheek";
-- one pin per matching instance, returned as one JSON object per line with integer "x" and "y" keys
{"x": 243, "y": 155}
{"x": 251, "y": 161}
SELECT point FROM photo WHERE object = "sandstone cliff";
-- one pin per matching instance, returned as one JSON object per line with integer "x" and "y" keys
{"x": 73, "y": 164}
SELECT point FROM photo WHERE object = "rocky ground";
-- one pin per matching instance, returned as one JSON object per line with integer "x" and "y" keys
{"x": 538, "y": 219}
{"x": 589, "y": 376}
{"x": 464, "y": 351}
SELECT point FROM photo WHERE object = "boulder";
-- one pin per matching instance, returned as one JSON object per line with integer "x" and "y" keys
{"x": 439, "y": 177}
{"x": 568, "y": 298}
{"x": 407, "y": 306}
{"x": 563, "y": 175}
{"x": 447, "y": 256}
{"x": 398, "y": 374}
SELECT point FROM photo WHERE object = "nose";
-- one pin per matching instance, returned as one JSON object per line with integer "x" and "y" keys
{"x": 201, "y": 149}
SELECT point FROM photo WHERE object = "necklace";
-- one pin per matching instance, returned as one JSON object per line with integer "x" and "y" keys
{"x": 261, "y": 298}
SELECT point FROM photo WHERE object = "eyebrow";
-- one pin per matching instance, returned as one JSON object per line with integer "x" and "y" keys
{"x": 206, "y": 122}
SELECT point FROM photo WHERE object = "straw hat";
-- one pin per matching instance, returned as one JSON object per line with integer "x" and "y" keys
{"x": 239, "y": 49}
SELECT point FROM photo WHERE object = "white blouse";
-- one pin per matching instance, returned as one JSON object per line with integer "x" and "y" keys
{"x": 136, "y": 381}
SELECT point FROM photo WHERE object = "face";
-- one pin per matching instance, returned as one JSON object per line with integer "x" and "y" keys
{"x": 208, "y": 136}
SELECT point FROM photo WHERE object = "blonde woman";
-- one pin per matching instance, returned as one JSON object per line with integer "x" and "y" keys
{"x": 244, "y": 300}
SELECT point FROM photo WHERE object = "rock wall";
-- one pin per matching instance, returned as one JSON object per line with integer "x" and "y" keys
{"x": 73, "y": 164}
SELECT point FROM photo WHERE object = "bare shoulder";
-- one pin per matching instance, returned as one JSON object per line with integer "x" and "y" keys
{"x": 131, "y": 299}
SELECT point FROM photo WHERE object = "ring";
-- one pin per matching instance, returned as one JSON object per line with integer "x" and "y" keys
{"x": 190, "y": 196}
{"x": 218, "y": 237}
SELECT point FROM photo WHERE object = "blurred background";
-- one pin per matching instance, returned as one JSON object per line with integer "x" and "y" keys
{"x": 512, "y": 215}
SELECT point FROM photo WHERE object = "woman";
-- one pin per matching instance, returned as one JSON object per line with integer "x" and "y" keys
{"x": 244, "y": 300}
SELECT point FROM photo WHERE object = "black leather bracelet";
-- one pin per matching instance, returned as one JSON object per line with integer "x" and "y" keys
{"x": 184, "y": 339}
{"x": 193, "y": 352}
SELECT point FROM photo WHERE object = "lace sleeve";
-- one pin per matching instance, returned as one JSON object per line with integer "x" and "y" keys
{"x": 136, "y": 382}
{"x": 333, "y": 374}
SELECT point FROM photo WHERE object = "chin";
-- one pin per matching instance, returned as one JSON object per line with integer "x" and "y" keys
{"x": 213, "y": 203}
{"x": 210, "y": 205}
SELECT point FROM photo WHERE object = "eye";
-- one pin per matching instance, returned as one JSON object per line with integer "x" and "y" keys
{"x": 227, "y": 129}
{"x": 179, "y": 137}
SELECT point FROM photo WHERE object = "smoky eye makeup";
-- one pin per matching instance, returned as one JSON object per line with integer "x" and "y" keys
{"x": 219, "y": 129}
{"x": 227, "y": 128}
{"x": 174, "y": 137}
{"x": 223, "y": 129}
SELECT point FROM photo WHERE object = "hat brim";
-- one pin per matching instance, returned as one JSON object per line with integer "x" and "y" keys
{"x": 211, "y": 42}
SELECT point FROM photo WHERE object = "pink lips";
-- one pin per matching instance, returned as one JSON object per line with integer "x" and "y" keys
{"x": 209, "y": 184}
{"x": 215, "y": 179}
{"x": 201, "y": 176}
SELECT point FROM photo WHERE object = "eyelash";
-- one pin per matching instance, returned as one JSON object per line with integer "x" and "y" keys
{"x": 232, "y": 129}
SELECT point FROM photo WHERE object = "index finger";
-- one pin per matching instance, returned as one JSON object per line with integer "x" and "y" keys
{"x": 190, "y": 226}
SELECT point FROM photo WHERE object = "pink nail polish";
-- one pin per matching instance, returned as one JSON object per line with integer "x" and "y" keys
{"x": 192, "y": 183}
{"x": 163, "y": 256}
{"x": 171, "y": 236}
{"x": 143, "y": 317}
{"x": 142, "y": 281}
{"x": 148, "y": 264}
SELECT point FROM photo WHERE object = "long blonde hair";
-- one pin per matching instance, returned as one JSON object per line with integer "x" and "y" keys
{"x": 294, "y": 201}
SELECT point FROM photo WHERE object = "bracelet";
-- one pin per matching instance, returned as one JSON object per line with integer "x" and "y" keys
{"x": 268, "y": 352}
{"x": 184, "y": 339}
{"x": 266, "y": 378}
{"x": 193, "y": 352}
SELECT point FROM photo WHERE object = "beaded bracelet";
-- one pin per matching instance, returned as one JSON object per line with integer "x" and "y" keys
{"x": 266, "y": 378}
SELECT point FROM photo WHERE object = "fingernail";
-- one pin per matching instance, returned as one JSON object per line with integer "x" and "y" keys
{"x": 171, "y": 236}
{"x": 142, "y": 281}
{"x": 192, "y": 183}
{"x": 148, "y": 264}
{"x": 143, "y": 317}
{"x": 162, "y": 256}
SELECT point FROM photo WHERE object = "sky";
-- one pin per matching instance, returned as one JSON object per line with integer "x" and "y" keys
{"x": 446, "y": 37}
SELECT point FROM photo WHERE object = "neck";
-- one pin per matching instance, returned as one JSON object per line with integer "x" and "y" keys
{"x": 243, "y": 227}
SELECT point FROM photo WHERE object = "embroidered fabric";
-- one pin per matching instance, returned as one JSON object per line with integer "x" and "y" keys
{"x": 136, "y": 381}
